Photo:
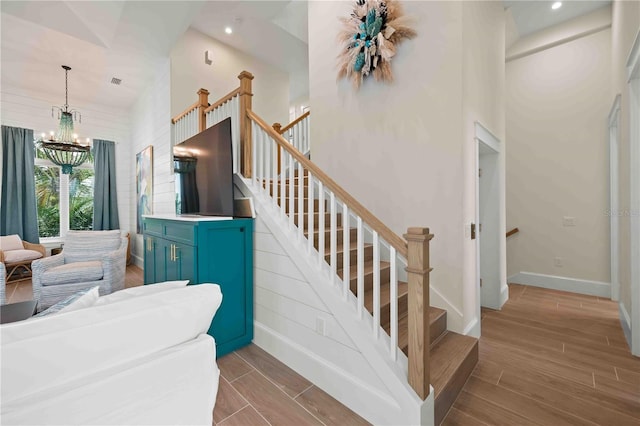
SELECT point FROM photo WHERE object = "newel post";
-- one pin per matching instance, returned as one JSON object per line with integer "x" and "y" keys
{"x": 203, "y": 103}
{"x": 418, "y": 306}
{"x": 278, "y": 128}
{"x": 246, "y": 94}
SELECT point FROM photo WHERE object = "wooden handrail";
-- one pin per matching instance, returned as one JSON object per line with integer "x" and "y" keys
{"x": 294, "y": 122}
{"x": 185, "y": 112}
{"x": 513, "y": 231}
{"x": 222, "y": 100}
{"x": 391, "y": 237}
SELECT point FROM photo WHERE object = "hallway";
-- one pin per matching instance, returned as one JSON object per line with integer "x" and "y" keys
{"x": 551, "y": 358}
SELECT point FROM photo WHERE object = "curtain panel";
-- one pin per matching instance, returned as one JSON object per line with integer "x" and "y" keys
{"x": 105, "y": 200}
{"x": 18, "y": 209}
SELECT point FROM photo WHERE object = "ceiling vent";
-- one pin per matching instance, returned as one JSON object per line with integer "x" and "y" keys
{"x": 116, "y": 81}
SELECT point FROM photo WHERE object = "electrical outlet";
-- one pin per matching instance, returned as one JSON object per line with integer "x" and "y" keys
{"x": 321, "y": 326}
{"x": 568, "y": 221}
{"x": 557, "y": 262}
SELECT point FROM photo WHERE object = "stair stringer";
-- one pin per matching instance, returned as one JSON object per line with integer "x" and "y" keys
{"x": 397, "y": 403}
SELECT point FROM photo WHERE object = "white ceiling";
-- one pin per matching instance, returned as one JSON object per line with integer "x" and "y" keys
{"x": 533, "y": 16}
{"x": 98, "y": 40}
{"x": 129, "y": 39}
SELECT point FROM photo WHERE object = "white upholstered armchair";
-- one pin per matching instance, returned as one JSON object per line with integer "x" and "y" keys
{"x": 89, "y": 258}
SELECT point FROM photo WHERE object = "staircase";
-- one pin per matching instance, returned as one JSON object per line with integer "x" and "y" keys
{"x": 453, "y": 356}
{"x": 374, "y": 282}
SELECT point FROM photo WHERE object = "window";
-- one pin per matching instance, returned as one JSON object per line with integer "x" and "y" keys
{"x": 64, "y": 201}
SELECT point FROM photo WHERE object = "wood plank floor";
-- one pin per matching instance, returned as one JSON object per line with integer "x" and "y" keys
{"x": 551, "y": 358}
{"x": 547, "y": 358}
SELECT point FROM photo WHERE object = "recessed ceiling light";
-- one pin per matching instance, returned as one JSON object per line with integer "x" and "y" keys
{"x": 556, "y": 5}
{"x": 228, "y": 30}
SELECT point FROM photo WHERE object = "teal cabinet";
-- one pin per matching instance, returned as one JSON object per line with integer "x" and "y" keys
{"x": 207, "y": 251}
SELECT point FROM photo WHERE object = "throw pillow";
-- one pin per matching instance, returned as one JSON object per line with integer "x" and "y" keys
{"x": 80, "y": 300}
{"x": 140, "y": 291}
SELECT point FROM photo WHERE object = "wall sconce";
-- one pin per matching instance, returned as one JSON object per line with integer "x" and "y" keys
{"x": 208, "y": 57}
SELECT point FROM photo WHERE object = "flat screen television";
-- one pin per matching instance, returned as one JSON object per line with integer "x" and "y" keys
{"x": 203, "y": 166}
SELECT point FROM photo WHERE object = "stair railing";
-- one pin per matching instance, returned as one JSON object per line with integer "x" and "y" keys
{"x": 297, "y": 132}
{"x": 201, "y": 115}
{"x": 282, "y": 185}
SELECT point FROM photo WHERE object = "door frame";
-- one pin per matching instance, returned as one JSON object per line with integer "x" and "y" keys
{"x": 633, "y": 88}
{"x": 488, "y": 142}
{"x": 614, "y": 204}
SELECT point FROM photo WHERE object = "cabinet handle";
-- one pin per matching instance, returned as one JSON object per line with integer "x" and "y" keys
{"x": 172, "y": 250}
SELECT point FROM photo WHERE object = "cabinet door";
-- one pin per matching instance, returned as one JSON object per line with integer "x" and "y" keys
{"x": 181, "y": 262}
{"x": 222, "y": 261}
{"x": 150, "y": 256}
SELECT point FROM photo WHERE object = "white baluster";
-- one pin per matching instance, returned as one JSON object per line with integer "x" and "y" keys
{"x": 310, "y": 213}
{"x": 274, "y": 174}
{"x": 333, "y": 237}
{"x": 267, "y": 162}
{"x": 307, "y": 141}
{"x": 292, "y": 197}
{"x": 360, "y": 268}
{"x": 320, "y": 223}
{"x": 346, "y": 255}
{"x": 236, "y": 137}
{"x": 300, "y": 200}
{"x": 376, "y": 285}
{"x": 260, "y": 158}
{"x": 254, "y": 151}
{"x": 393, "y": 344}
{"x": 283, "y": 188}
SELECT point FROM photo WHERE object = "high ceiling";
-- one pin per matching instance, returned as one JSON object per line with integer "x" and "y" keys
{"x": 533, "y": 16}
{"x": 129, "y": 39}
{"x": 99, "y": 40}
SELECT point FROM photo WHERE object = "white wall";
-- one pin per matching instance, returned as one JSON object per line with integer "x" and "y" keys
{"x": 33, "y": 111}
{"x": 405, "y": 149}
{"x": 625, "y": 27}
{"x": 189, "y": 73}
{"x": 151, "y": 125}
{"x": 557, "y": 105}
{"x": 483, "y": 72}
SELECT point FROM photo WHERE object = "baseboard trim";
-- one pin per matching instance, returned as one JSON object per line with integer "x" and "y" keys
{"x": 553, "y": 282}
{"x": 625, "y": 322}
{"x": 473, "y": 328}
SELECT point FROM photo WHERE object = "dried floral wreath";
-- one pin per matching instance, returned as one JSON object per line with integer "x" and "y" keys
{"x": 369, "y": 37}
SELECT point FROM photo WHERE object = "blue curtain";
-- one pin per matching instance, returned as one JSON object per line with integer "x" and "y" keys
{"x": 105, "y": 201}
{"x": 18, "y": 210}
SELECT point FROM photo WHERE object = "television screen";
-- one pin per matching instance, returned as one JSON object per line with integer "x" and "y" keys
{"x": 203, "y": 166}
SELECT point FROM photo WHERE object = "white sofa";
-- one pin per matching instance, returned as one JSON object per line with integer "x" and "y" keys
{"x": 143, "y": 357}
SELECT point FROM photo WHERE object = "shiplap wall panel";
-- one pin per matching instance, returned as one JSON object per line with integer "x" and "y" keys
{"x": 303, "y": 314}
{"x": 278, "y": 263}
{"x": 151, "y": 125}
{"x": 347, "y": 360}
{"x": 292, "y": 288}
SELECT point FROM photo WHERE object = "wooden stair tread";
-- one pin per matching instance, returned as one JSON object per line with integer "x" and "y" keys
{"x": 367, "y": 267}
{"x": 385, "y": 293}
{"x": 453, "y": 358}
{"x": 353, "y": 246}
{"x": 437, "y": 327}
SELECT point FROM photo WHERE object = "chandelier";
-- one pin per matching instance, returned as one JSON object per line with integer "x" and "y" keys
{"x": 64, "y": 149}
